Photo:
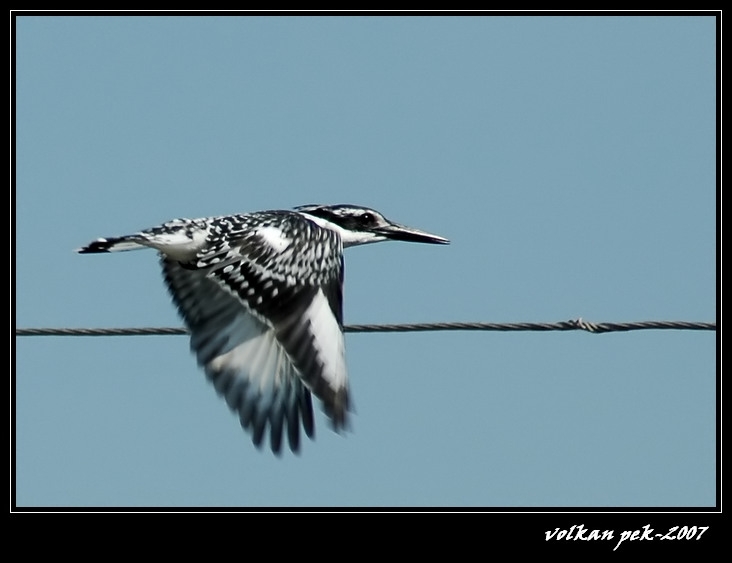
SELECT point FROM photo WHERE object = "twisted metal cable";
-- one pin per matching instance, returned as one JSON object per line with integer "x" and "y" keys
{"x": 574, "y": 324}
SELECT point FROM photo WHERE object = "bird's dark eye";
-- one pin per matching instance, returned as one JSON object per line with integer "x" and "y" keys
{"x": 367, "y": 218}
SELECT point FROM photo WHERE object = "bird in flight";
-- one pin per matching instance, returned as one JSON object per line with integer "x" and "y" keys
{"x": 262, "y": 297}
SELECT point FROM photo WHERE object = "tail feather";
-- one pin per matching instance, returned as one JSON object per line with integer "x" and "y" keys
{"x": 114, "y": 244}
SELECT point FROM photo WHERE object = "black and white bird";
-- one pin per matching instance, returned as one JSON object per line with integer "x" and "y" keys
{"x": 262, "y": 296}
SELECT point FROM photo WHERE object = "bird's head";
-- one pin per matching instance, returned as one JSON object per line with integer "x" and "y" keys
{"x": 361, "y": 225}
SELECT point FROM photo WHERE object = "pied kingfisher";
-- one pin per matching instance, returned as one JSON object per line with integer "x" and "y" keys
{"x": 261, "y": 294}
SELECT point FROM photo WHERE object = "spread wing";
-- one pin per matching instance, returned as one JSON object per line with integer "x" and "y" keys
{"x": 266, "y": 339}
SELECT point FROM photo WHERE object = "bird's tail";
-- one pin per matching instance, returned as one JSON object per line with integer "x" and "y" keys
{"x": 113, "y": 244}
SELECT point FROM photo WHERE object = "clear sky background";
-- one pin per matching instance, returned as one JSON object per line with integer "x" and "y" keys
{"x": 570, "y": 160}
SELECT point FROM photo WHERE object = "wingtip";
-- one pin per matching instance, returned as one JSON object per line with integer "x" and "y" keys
{"x": 338, "y": 410}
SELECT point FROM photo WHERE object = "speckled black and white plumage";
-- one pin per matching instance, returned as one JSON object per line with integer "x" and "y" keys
{"x": 261, "y": 294}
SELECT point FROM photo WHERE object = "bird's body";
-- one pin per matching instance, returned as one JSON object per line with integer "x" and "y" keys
{"x": 261, "y": 294}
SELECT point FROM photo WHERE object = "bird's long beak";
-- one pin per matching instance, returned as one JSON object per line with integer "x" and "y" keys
{"x": 394, "y": 231}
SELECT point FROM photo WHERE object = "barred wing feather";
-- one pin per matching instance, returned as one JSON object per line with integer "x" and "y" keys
{"x": 264, "y": 363}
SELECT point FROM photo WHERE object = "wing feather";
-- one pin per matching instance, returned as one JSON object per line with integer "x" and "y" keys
{"x": 264, "y": 356}
{"x": 246, "y": 364}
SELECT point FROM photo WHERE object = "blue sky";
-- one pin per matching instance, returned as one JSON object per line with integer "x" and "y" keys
{"x": 570, "y": 160}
